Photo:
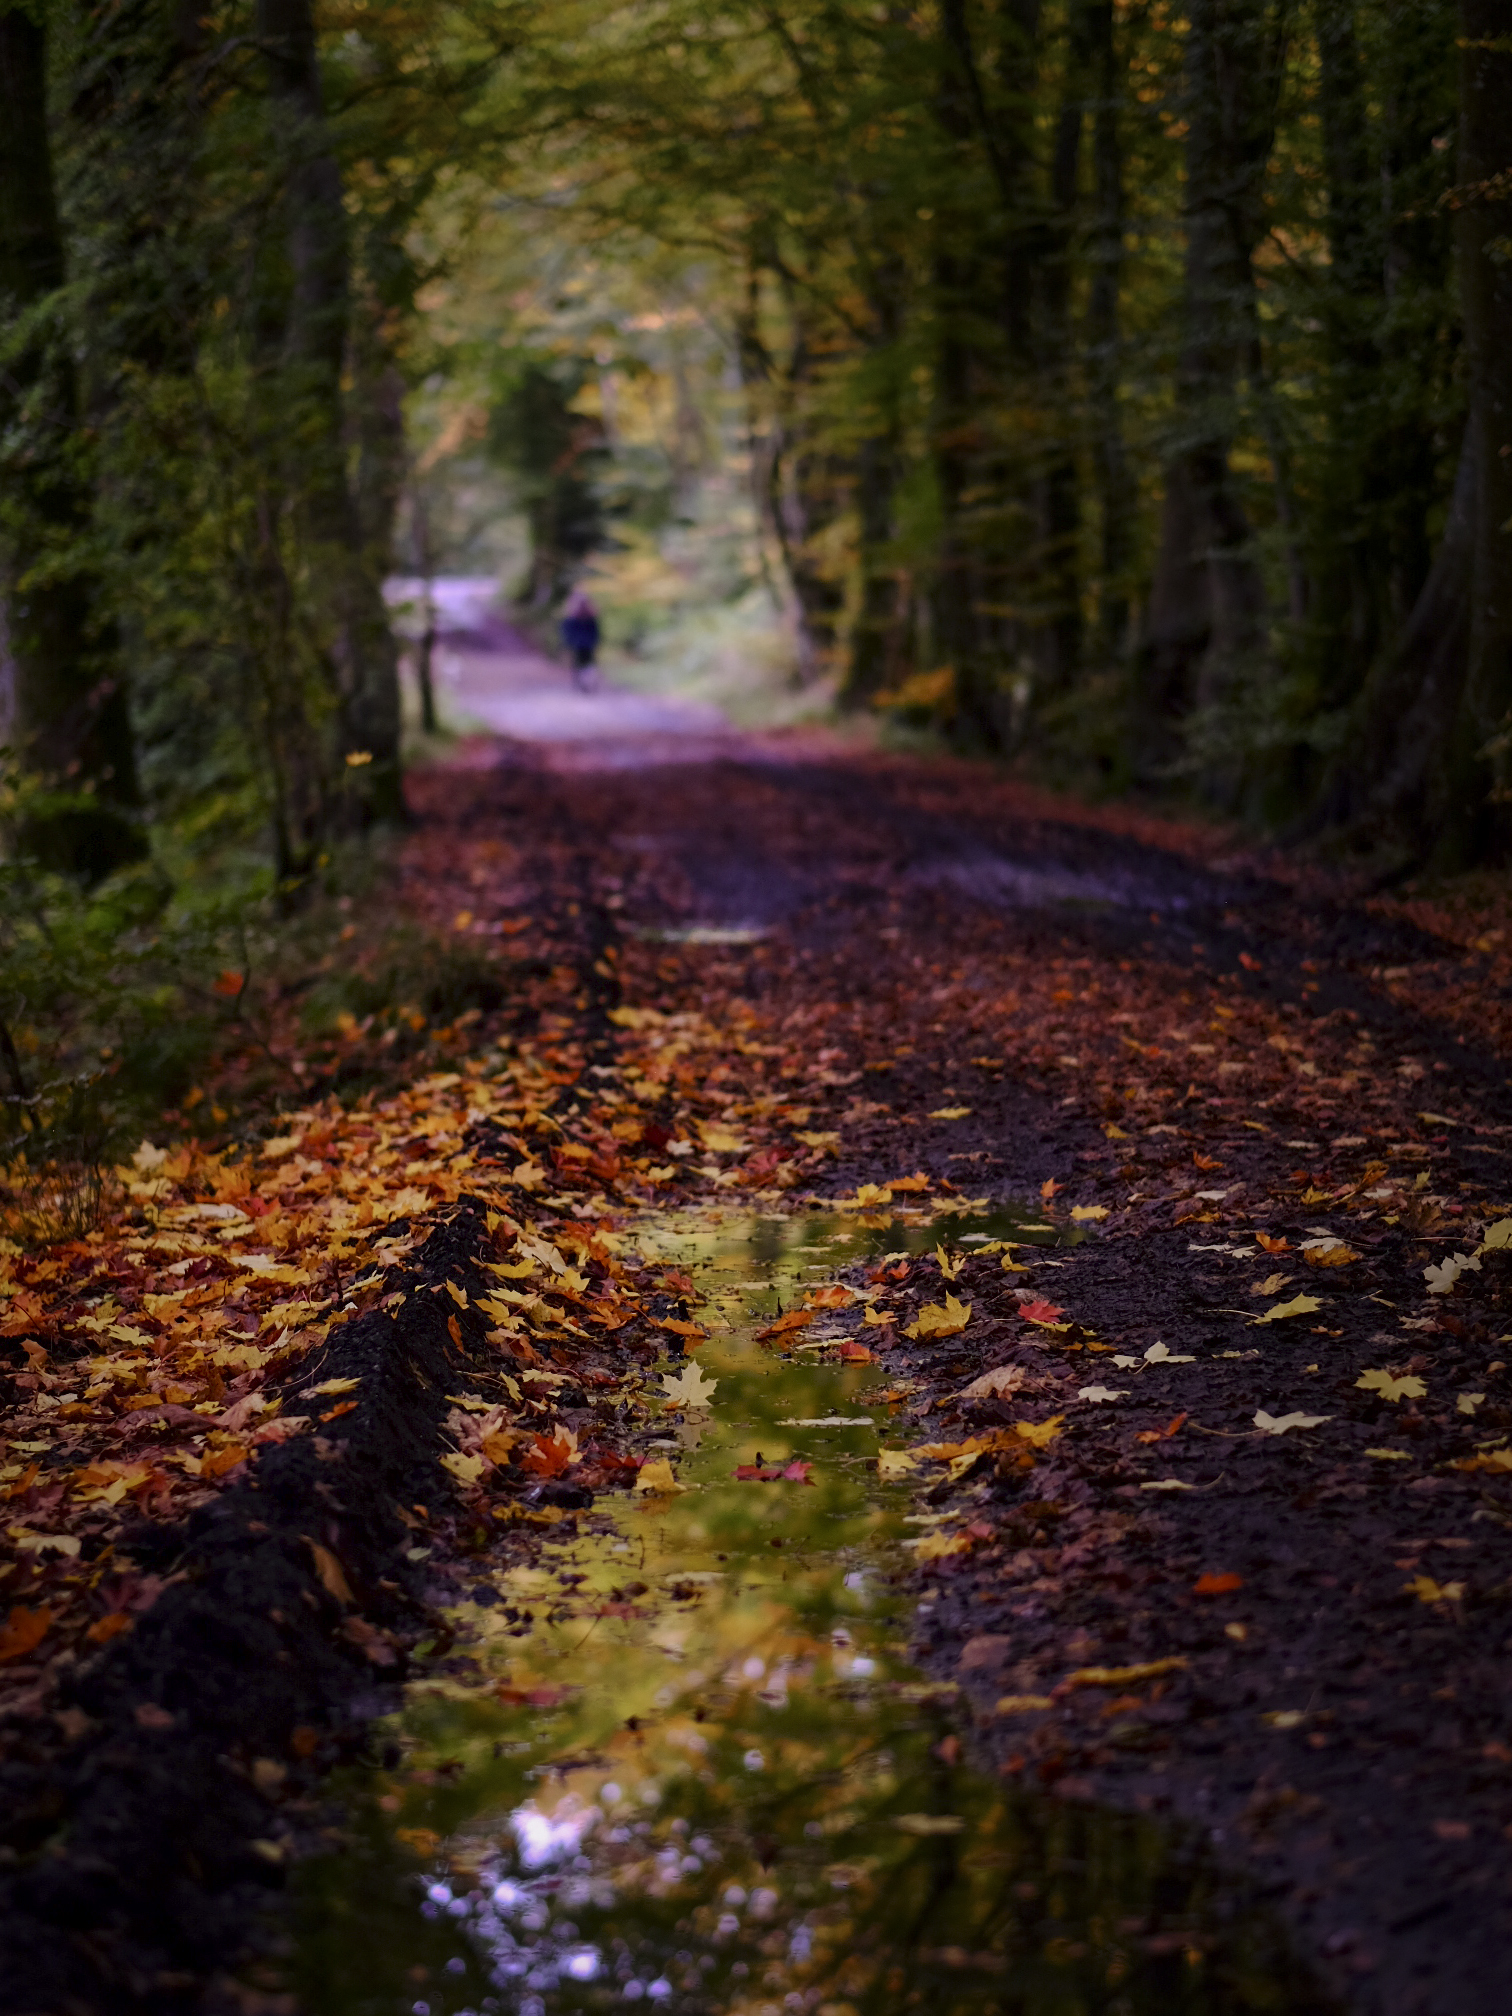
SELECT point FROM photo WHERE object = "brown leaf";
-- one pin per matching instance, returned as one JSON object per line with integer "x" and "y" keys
{"x": 330, "y": 1572}
{"x": 23, "y": 1631}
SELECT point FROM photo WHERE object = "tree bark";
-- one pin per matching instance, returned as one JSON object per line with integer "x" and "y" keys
{"x": 1207, "y": 607}
{"x": 1117, "y": 497}
{"x": 68, "y": 698}
{"x": 1484, "y": 243}
{"x": 356, "y": 635}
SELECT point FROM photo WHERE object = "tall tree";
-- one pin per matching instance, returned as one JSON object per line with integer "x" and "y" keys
{"x": 356, "y": 639}
{"x": 1207, "y": 606}
{"x": 68, "y": 710}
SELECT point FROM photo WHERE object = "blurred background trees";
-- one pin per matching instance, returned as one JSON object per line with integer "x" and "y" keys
{"x": 1116, "y": 388}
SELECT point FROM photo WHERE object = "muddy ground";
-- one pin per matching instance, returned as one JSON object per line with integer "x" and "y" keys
{"x": 1189, "y": 1059}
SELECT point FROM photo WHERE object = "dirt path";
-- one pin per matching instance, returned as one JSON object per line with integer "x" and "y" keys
{"x": 1225, "y": 1537}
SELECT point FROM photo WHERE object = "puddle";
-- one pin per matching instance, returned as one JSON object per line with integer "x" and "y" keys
{"x": 695, "y": 1771}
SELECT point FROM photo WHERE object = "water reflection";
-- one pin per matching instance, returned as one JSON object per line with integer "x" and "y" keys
{"x": 693, "y": 1769}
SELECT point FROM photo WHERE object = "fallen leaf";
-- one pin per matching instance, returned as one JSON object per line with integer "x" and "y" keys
{"x": 1022, "y": 1704}
{"x": 894, "y": 1464}
{"x": 1269, "y": 1245}
{"x": 330, "y": 1386}
{"x": 1442, "y": 1276}
{"x": 375, "y": 1645}
{"x": 218, "y": 1462}
{"x": 1162, "y": 1354}
{"x": 939, "y": 1546}
{"x": 1408, "y": 1388}
{"x": 28, "y": 1542}
{"x": 689, "y": 1388}
{"x": 1101, "y": 1393}
{"x": 795, "y": 1319}
{"x": 1427, "y": 1590}
{"x": 657, "y": 1477}
{"x": 1468, "y": 1402}
{"x": 937, "y": 1319}
{"x": 1121, "y": 1676}
{"x": 1282, "y": 1424}
{"x": 1217, "y": 1585}
{"x": 1167, "y": 1484}
{"x": 1488, "y": 1459}
{"x": 1088, "y": 1213}
{"x": 551, "y": 1455}
{"x": 993, "y": 1385}
{"x": 950, "y": 1112}
{"x": 1042, "y": 1312}
{"x": 855, "y": 1354}
{"x": 949, "y": 1269}
{"x": 330, "y": 1573}
{"x": 873, "y": 1193}
{"x": 1039, "y": 1434}
{"x": 1299, "y": 1305}
{"x": 1163, "y": 1434}
{"x": 1272, "y": 1284}
{"x": 1498, "y": 1236}
{"x": 23, "y": 1631}
{"x": 1390, "y": 1455}
{"x": 1327, "y": 1253}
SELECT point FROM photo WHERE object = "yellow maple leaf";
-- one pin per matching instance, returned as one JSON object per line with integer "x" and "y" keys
{"x": 657, "y": 1477}
{"x": 938, "y": 1319}
{"x": 1427, "y": 1590}
{"x": 894, "y": 1464}
{"x": 1407, "y": 1388}
{"x": 1327, "y": 1253}
{"x": 466, "y": 1469}
{"x": 1039, "y": 1434}
{"x": 938, "y": 1546}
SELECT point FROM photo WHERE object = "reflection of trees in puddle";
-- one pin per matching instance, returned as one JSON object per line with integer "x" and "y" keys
{"x": 829, "y": 1854}
{"x": 718, "y": 1790}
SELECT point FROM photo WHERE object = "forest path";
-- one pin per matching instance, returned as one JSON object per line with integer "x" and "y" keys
{"x": 1263, "y": 1107}
{"x": 491, "y": 676}
{"x": 1224, "y": 1539}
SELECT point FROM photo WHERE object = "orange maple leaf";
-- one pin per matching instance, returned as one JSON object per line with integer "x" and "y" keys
{"x": 23, "y": 1631}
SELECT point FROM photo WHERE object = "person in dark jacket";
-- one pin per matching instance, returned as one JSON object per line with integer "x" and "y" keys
{"x": 580, "y": 639}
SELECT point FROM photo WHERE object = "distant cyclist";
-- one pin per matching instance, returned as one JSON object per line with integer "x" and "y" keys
{"x": 580, "y": 638}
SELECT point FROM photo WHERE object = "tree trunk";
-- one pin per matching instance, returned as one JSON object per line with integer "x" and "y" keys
{"x": 1207, "y": 606}
{"x": 68, "y": 697}
{"x": 1484, "y": 236}
{"x": 1117, "y": 497}
{"x": 353, "y": 620}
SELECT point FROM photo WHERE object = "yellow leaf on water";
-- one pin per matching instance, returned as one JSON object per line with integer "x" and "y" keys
{"x": 873, "y": 1193}
{"x": 657, "y": 1477}
{"x": 893, "y": 1464}
{"x": 689, "y": 1388}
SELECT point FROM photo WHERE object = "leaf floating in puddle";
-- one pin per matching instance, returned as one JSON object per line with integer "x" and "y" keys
{"x": 893, "y": 1464}
{"x": 657, "y": 1477}
{"x": 928, "y": 1823}
{"x": 770, "y": 1473}
{"x": 690, "y": 1388}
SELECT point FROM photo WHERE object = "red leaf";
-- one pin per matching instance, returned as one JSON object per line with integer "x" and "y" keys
{"x": 1217, "y": 1585}
{"x": 1040, "y": 1312}
{"x": 856, "y": 1354}
{"x": 797, "y": 1473}
{"x": 228, "y": 983}
{"x": 756, "y": 1473}
{"x": 549, "y": 1457}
